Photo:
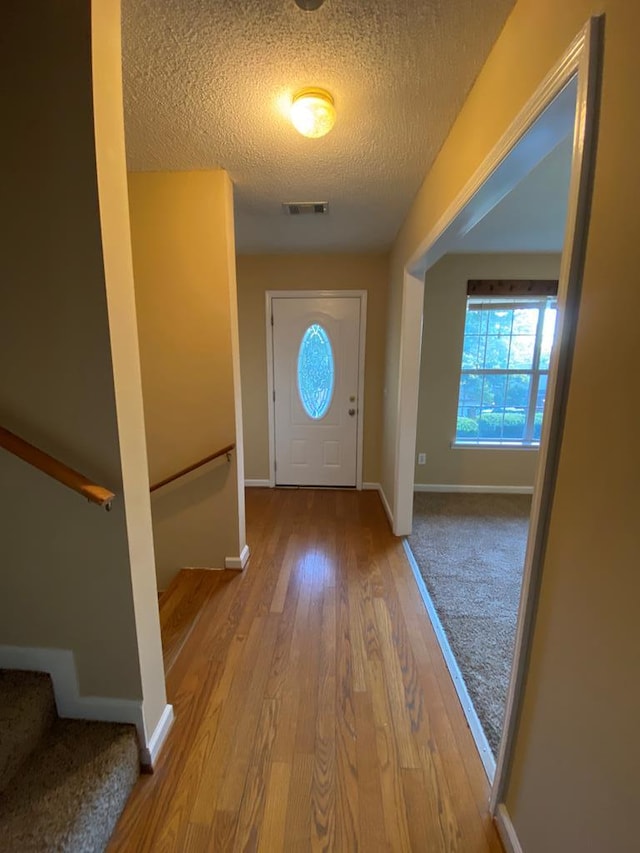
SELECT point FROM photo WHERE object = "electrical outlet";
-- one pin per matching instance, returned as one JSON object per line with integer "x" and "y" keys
{"x": 422, "y": 458}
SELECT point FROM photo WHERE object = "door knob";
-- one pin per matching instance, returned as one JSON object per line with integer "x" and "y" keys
{"x": 352, "y": 412}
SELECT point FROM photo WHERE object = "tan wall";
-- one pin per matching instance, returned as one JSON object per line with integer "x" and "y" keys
{"x": 445, "y": 301}
{"x": 68, "y": 574}
{"x": 183, "y": 279}
{"x": 574, "y": 782}
{"x": 125, "y": 350}
{"x": 259, "y": 273}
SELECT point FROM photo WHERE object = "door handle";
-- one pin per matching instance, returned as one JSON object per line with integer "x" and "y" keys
{"x": 352, "y": 412}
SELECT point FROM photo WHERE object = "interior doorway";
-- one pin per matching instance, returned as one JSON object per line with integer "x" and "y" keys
{"x": 315, "y": 346}
{"x": 490, "y": 308}
{"x": 534, "y": 134}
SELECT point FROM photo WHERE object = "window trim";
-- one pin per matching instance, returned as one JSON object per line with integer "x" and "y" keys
{"x": 503, "y": 302}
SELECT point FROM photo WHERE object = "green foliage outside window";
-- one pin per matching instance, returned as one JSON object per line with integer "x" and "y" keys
{"x": 505, "y": 361}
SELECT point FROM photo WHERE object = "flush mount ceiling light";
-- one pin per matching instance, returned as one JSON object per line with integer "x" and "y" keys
{"x": 313, "y": 113}
{"x": 309, "y": 5}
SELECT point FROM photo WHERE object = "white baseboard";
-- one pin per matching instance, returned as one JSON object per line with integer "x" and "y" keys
{"x": 61, "y": 666}
{"x": 202, "y": 569}
{"x": 238, "y": 562}
{"x": 477, "y": 732}
{"x": 507, "y": 831}
{"x": 149, "y": 753}
{"x": 377, "y": 487}
{"x": 480, "y": 490}
{"x": 267, "y": 484}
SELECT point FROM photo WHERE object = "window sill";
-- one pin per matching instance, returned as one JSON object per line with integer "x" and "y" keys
{"x": 493, "y": 445}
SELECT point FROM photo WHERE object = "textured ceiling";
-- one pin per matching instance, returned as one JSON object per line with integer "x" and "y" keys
{"x": 208, "y": 83}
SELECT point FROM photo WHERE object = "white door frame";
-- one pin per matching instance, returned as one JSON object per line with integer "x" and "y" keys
{"x": 498, "y": 174}
{"x": 316, "y": 294}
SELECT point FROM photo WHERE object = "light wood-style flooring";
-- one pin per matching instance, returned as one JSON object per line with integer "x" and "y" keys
{"x": 313, "y": 708}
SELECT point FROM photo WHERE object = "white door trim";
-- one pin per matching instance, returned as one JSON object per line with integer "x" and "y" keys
{"x": 316, "y": 294}
{"x": 580, "y": 61}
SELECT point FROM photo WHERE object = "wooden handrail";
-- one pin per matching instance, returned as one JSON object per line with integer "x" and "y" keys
{"x": 224, "y": 451}
{"x": 58, "y": 470}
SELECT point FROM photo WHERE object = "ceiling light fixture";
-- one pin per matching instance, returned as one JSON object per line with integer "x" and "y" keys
{"x": 309, "y": 5}
{"x": 313, "y": 113}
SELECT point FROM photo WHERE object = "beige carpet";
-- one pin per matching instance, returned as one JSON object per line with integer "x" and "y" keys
{"x": 470, "y": 551}
{"x": 63, "y": 783}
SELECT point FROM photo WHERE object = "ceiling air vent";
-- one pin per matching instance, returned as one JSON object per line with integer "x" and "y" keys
{"x": 305, "y": 208}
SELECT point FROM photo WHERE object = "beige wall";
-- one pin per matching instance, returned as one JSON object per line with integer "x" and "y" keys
{"x": 185, "y": 288}
{"x": 123, "y": 331}
{"x": 72, "y": 578}
{"x": 445, "y": 301}
{"x": 574, "y": 781}
{"x": 259, "y": 273}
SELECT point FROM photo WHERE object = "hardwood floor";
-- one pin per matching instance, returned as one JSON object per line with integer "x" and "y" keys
{"x": 313, "y": 708}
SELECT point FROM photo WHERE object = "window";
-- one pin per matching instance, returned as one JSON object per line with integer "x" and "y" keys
{"x": 315, "y": 372}
{"x": 505, "y": 367}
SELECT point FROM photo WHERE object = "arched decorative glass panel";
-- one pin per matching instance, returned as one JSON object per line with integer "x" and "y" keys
{"x": 316, "y": 372}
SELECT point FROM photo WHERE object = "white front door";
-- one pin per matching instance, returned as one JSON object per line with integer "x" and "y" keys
{"x": 316, "y": 347}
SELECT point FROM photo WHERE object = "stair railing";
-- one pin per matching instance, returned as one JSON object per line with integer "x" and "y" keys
{"x": 93, "y": 492}
{"x": 54, "y": 468}
{"x": 224, "y": 451}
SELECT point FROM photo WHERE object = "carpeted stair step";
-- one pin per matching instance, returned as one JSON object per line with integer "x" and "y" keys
{"x": 27, "y": 711}
{"x": 70, "y": 792}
